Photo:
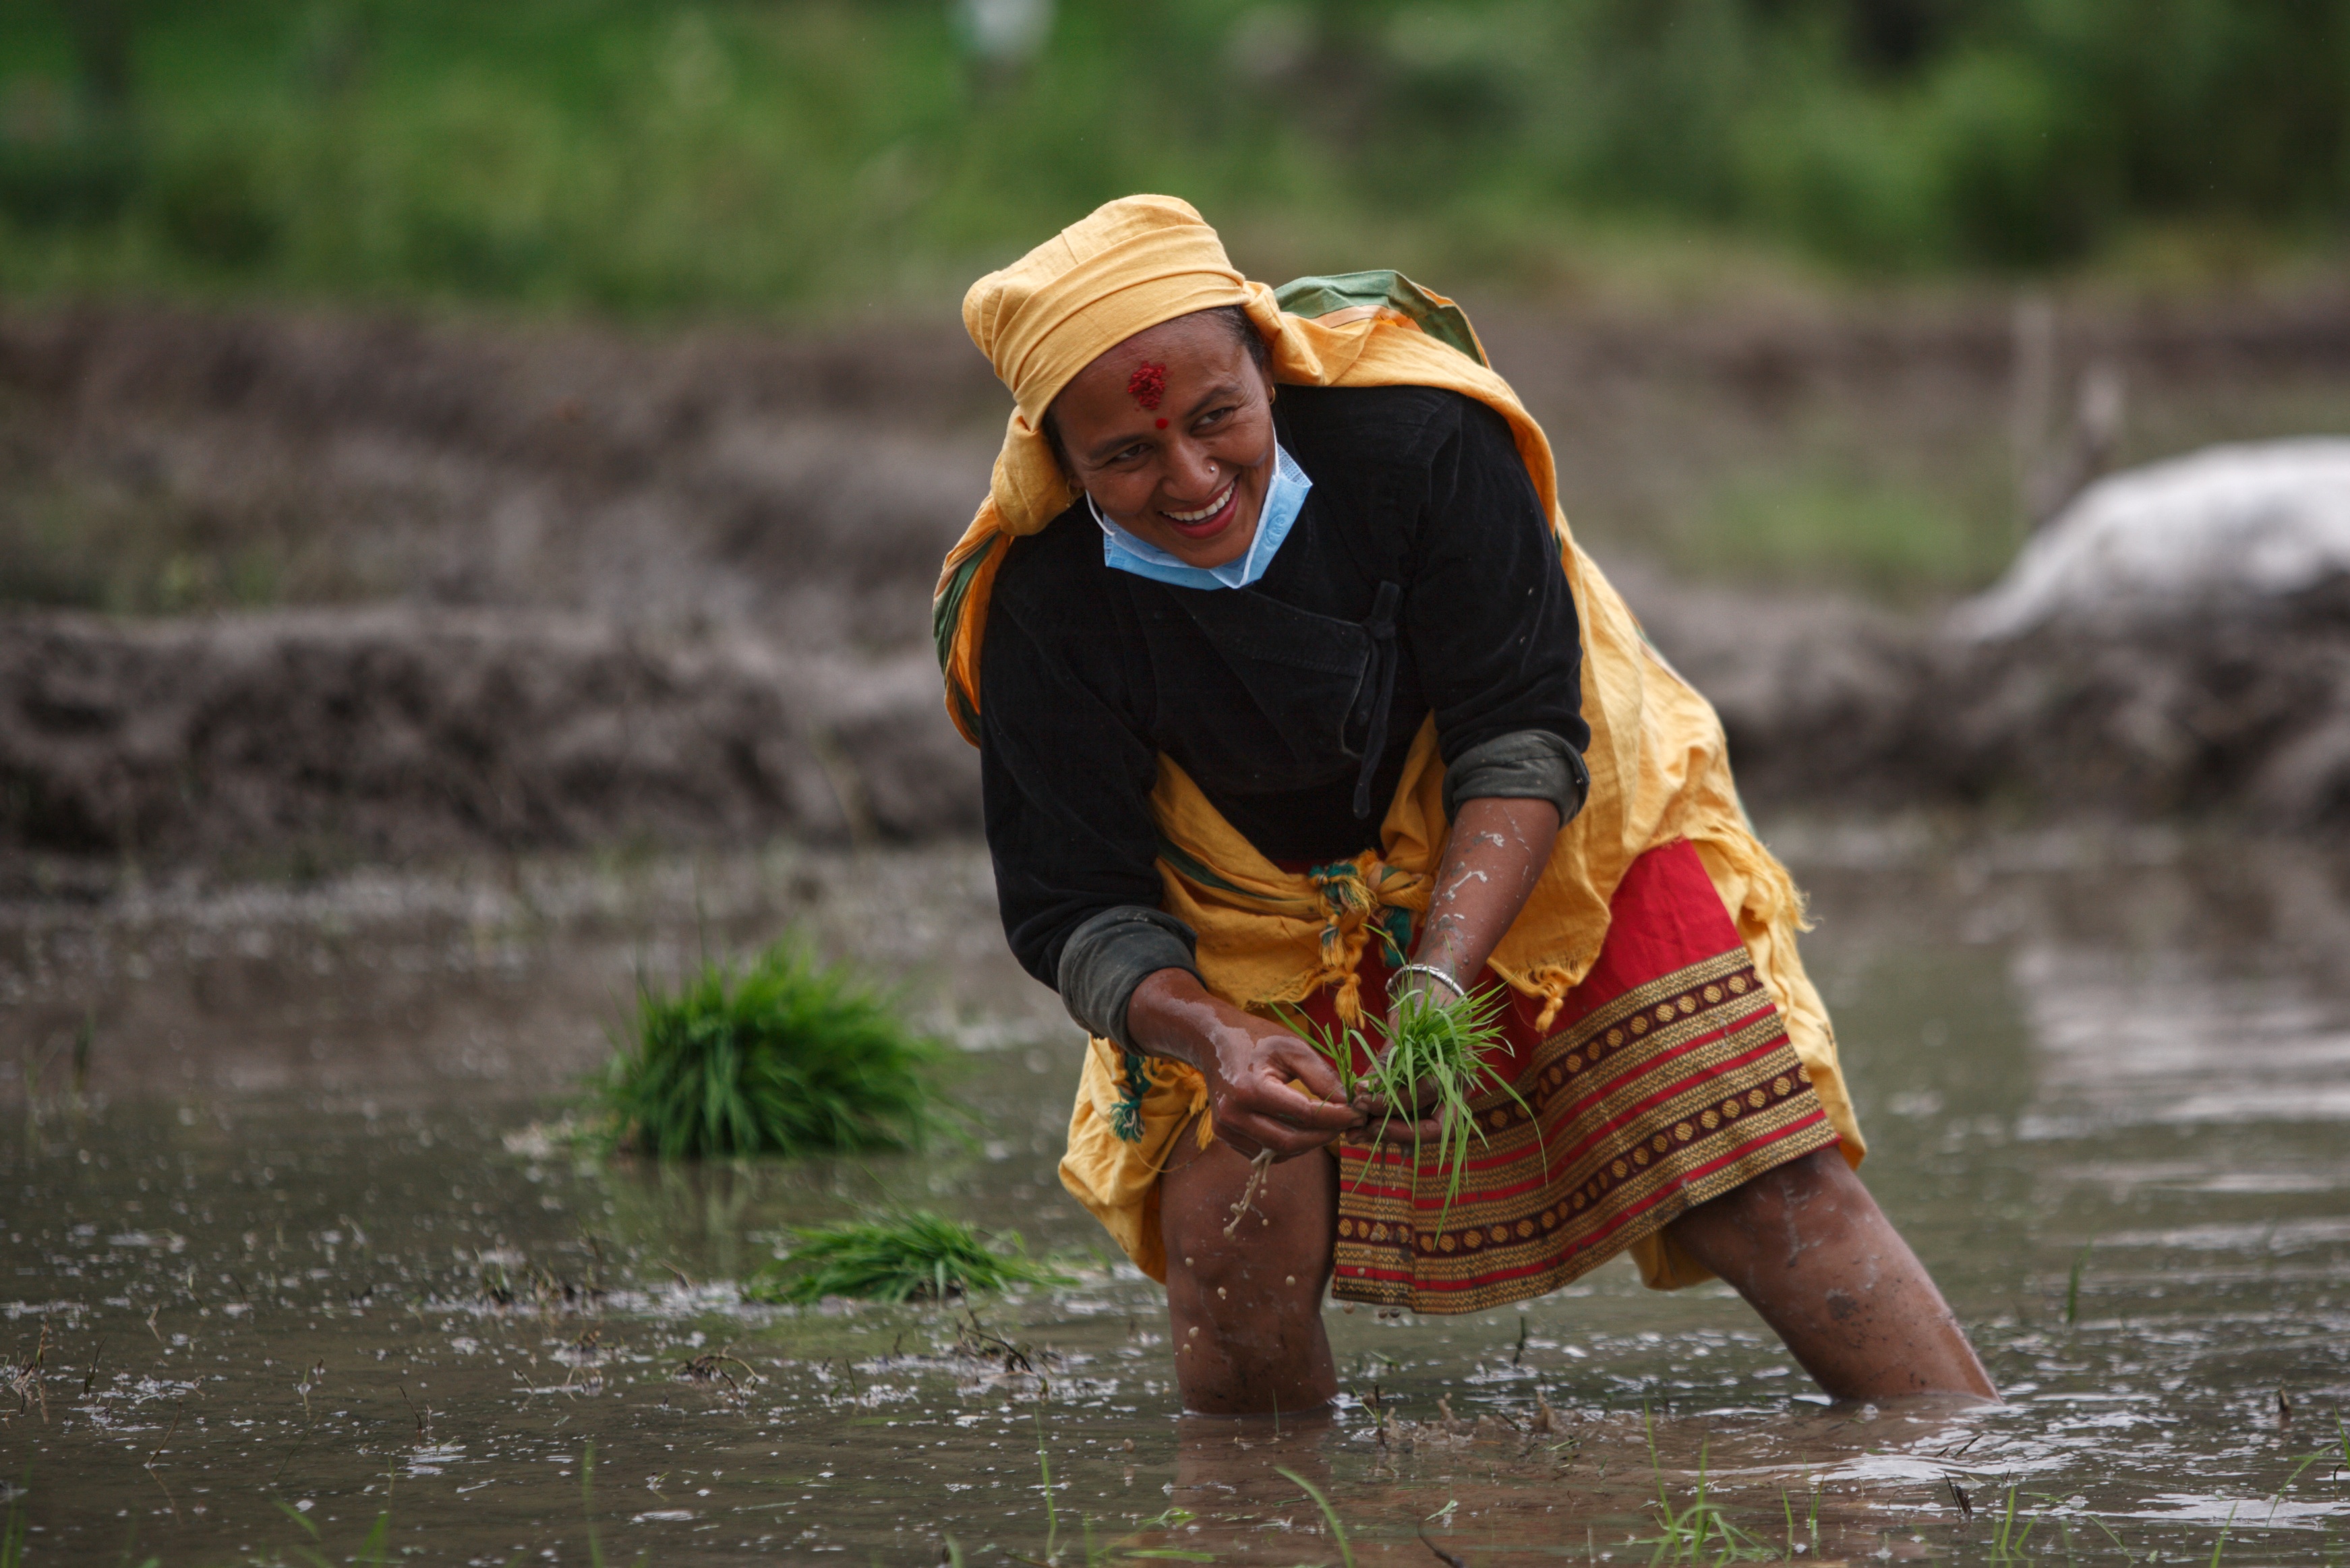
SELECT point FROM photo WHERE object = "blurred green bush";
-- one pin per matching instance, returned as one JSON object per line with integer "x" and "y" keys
{"x": 637, "y": 157}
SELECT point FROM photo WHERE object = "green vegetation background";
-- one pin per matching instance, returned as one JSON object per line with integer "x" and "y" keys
{"x": 796, "y": 156}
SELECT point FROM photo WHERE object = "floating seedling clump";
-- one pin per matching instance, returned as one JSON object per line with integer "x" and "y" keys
{"x": 780, "y": 1056}
{"x": 912, "y": 1256}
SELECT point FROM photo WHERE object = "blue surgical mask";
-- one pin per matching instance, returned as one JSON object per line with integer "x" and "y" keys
{"x": 1283, "y": 498}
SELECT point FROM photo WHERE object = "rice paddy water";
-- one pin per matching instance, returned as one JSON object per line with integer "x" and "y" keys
{"x": 292, "y": 1270}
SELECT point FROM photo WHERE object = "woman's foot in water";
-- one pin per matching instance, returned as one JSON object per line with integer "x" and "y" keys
{"x": 1810, "y": 1250}
{"x": 1246, "y": 1309}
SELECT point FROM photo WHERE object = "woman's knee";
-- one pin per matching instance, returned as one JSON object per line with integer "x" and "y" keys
{"x": 1285, "y": 1265}
{"x": 1276, "y": 1248}
{"x": 1810, "y": 1182}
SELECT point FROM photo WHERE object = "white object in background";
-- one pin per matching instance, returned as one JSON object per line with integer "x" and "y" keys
{"x": 1003, "y": 32}
{"x": 2257, "y": 519}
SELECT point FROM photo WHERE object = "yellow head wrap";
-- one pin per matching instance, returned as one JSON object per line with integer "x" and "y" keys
{"x": 1122, "y": 269}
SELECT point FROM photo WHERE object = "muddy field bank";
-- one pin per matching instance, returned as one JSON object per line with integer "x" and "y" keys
{"x": 306, "y": 585}
{"x": 398, "y": 732}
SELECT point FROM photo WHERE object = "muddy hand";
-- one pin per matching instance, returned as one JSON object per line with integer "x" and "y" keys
{"x": 1267, "y": 1089}
{"x": 1409, "y": 1125}
{"x": 1271, "y": 1093}
{"x": 1420, "y": 1122}
{"x": 1412, "y": 1125}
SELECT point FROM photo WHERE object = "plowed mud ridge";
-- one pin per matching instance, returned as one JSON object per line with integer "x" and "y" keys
{"x": 383, "y": 588}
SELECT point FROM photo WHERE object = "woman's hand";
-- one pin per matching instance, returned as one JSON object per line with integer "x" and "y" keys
{"x": 1411, "y": 1124}
{"x": 1249, "y": 1062}
{"x": 1496, "y": 854}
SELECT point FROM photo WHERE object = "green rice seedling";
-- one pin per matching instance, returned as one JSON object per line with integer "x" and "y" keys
{"x": 1329, "y": 1514}
{"x": 1685, "y": 1534}
{"x": 297, "y": 1515}
{"x": 374, "y": 1551}
{"x": 781, "y": 1055}
{"x": 2300, "y": 1465}
{"x": 588, "y": 1505}
{"x": 1999, "y": 1547}
{"x": 13, "y": 1530}
{"x": 2127, "y": 1555}
{"x": 1431, "y": 1055}
{"x": 911, "y": 1257}
{"x": 1167, "y": 1555}
{"x": 2007, "y": 1546}
{"x": 2221, "y": 1544}
{"x": 1051, "y": 1515}
{"x": 2072, "y": 1285}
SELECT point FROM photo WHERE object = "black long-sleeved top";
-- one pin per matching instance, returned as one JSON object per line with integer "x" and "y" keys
{"x": 1089, "y": 674}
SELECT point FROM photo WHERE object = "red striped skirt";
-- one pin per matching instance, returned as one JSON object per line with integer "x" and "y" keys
{"x": 1666, "y": 1080}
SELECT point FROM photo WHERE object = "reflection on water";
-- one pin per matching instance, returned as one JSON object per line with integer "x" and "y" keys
{"x": 283, "y": 1258}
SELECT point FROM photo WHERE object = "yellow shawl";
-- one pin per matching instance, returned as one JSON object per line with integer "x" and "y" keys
{"x": 1658, "y": 763}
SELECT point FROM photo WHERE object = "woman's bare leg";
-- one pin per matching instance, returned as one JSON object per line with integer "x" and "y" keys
{"x": 1247, "y": 1312}
{"x": 1809, "y": 1249}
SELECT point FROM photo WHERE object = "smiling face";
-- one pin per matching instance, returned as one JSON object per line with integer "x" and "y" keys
{"x": 1171, "y": 433}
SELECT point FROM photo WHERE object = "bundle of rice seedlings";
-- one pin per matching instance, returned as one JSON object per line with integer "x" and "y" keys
{"x": 1429, "y": 1056}
{"x": 781, "y": 1056}
{"x": 912, "y": 1256}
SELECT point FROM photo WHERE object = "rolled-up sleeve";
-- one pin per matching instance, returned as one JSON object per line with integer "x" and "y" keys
{"x": 1524, "y": 765}
{"x": 1110, "y": 955}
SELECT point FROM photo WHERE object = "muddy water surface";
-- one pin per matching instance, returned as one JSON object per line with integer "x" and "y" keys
{"x": 287, "y": 1273}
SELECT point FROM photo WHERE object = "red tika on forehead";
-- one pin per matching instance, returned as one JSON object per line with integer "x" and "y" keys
{"x": 1148, "y": 384}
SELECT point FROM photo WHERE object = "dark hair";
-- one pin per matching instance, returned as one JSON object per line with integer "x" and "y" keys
{"x": 1235, "y": 320}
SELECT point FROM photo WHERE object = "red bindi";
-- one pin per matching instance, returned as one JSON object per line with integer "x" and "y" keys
{"x": 1162, "y": 424}
{"x": 1148, "y": 384}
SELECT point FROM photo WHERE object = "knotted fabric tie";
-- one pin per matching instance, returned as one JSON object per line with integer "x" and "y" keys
{"x": 1554, "y": 984}
{"x": 1356, "y": 908}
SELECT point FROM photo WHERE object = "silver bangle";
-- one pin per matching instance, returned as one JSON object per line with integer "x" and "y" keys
{"x": 1432, "y": 973}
